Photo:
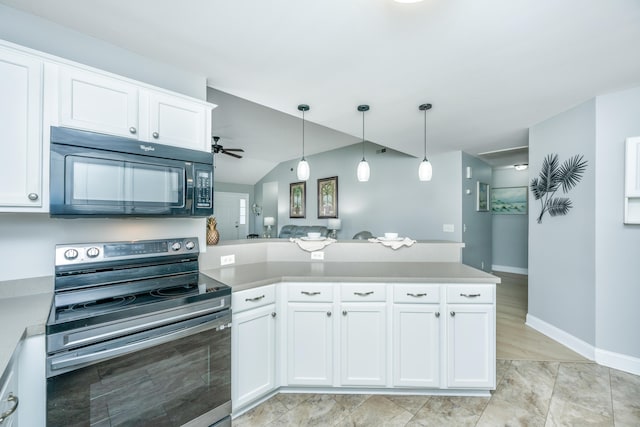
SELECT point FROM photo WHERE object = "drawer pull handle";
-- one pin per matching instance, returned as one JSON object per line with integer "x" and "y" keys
{"x": 273, "y": 314}
{"x": 33, "y": 196}
{"x": 453, "y": 313}
{"x": 363, "y": 294}
{"x": 437, "y": 314}
{"x": 470, "y": 295}
{"x": 156, "y": 135}
{"x": 417, "y": 295}
{"x": 7, "y": 413}
{"x": 254, "y": 299}
{"x": 309, "y": 293}
{"x": 133, "y": 130}
{"x": 328, "y": 314}
{"x": 344, "y": 312}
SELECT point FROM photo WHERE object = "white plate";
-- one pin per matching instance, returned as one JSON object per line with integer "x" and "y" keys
{"x": 384, "y": 239}
{"x": 313, "y": 239}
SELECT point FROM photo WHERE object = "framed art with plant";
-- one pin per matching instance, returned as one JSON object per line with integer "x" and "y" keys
{"x": 328, "y": 197}
{"x": 297, "y": 199}
{"x": 482, "y": 200}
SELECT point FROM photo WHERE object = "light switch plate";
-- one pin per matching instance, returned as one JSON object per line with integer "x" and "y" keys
{"x": 227, "y": 259}
{"x": 448, "y": 228}
{"x": 317, "y": 255}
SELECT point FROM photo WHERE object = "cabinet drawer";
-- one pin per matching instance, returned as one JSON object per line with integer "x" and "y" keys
{"x": 252, "y": 298}
{"x": 471, "y": 294}
{"x": 416, "y": 294}
{"x": 358, "y": 292}
{"x": 310, "y": 292}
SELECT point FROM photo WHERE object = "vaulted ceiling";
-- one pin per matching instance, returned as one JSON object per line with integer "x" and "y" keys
{"x": 491, "y": 68}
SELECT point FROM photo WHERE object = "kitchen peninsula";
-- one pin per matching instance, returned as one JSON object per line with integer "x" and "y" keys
{"x": 366, "y": 317}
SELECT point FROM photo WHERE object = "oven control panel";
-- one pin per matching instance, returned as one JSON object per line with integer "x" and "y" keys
{"x": 78, "y": 253}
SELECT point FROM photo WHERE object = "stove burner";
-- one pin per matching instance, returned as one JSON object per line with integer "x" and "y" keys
{"x": 104, "y": 304}
{"x": 173, "y": 291}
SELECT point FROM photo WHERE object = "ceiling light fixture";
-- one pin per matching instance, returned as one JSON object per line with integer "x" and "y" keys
{"x": 521, "y": 166}
{"x": 303, "y": 170}
{"x": 425, "y": 171}
{"x": 363, "y": 170}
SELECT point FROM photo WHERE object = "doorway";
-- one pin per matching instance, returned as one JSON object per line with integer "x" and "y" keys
{"x": 231, "y": 212}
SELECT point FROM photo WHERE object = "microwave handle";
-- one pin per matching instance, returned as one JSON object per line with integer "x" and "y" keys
{"x": 190, "y": 183}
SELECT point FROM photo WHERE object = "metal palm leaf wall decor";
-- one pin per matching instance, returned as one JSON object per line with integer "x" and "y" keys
{"x": 554, "y": 177}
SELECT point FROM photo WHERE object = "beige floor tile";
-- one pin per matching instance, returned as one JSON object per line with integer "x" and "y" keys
{"x": 291, "y": 400}
{"x": 523, "y": 396}
{"x": 582, "y": 396}
{"x": 625, "y": 392}
{"x": 502, "y": 366}
{"x": 376, "y": 411}
{"x": 320, "y": 410}
{"x": 261, "y": 415}
{"x": 409, "y": 403}
{"x": 449, "y": 411}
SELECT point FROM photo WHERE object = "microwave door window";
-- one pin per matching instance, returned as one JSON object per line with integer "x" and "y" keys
{"x": 97, "y": 182}
{"x": 159, "y": 186}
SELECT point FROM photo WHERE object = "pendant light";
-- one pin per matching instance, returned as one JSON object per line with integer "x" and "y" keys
{"x": 303, "y": 170}
{"x": 363, "y": 170}
{"x": 425, "y": 170}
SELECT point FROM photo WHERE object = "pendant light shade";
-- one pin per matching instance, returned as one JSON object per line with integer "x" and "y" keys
{"x": 303, "y": 171}
{"x": 363, "y": 170}
{"x": 425, "y": 170}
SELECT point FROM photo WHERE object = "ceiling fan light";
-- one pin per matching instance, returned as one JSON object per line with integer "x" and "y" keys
{"x": 363, "y": 171}
{"x": 521, "y": 167}
{"x": 303, "y": 170}
{"x": 425, "y": 171}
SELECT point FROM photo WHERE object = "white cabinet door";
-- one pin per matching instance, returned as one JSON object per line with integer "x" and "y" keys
{"x": 9, "y": 391}
{"x": 363, "y": 344}
{"x": 32, "y": 381}
{"x": 310, "y": 344}
{"x": 471, "y": 350}
{"x": 179, "y": 122}
{"x": 253, "y": 346}
{"x": 416, "y": 345}
{"x": 20, "y": 131}
{"x": 98, "y": 103}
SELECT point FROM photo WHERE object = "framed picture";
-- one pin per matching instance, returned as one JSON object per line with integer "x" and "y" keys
{"x": 297, "y": 199}
{"x": 482, "y": 203}
{"x": 328, "y": 197}
{"x": 509, "y": 200}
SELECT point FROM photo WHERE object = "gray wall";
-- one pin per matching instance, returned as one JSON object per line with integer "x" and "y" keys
{"x": 561, "y": 248}
{"x": 37, "y": 33}
{"x": 618, "y": 245}
{"x": 476, "y": 226}
{"x": 393, "y": 200}
{"x": 27, "y": 240}
{"x": 510, "y": 233}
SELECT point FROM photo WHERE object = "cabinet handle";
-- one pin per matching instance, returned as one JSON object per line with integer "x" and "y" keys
{"x": 7, "y": 413}
{"x": 254, "y": 299}
{"x": 470, "y": 295}
{"x": 133, "y": 130}
{"x": 309, "y": 293}
{"x": 363, "y": 294}
{"x": 344, "y": 312}
{"x": 156, "y": 135}
{"x": 33, "y": 196}
{"x": 453, "y": 313}
{"x": 273, "y": 314}
{"x": 417, "y": 295}
{"x": 328, "y": 314}
{"x": 437, "y": 314}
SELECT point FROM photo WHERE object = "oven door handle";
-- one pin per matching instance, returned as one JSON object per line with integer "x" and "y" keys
{"x": 190, "y": 327}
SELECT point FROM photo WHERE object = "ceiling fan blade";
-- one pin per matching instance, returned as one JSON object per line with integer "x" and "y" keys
{"x": 234, "y": 149}
{"x": 231, "y": 154}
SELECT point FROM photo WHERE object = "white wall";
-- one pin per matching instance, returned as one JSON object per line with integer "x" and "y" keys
{"x": 510, "y": 233}
{"x": 27, "y": 240}
{"x": 617, "y": 245}
{"x": 561, "y": 248}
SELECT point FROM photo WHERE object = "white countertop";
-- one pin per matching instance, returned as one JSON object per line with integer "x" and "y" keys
{"x": 247, "y": 276}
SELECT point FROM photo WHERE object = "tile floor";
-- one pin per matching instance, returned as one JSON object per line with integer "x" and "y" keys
{"x": 539, "y": 383}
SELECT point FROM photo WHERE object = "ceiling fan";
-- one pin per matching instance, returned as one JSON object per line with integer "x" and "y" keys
{"x": 217, "y": 148}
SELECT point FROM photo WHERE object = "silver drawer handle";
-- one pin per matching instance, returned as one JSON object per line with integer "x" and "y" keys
{"x": 33, "y": 196}
{"x": 254, "y": 299}
{"x": 363, "y": 294}
{"x": 155, "y": 135}
{"x": 309, "y": 293}
{"x": 417, "y": 295}
{"x": 133, "y": 130}
{"x": 470, "y": 295}
{"x": 6, "y": 414}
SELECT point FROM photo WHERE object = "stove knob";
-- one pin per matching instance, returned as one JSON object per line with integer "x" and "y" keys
{"x": 71, "y": 254}
{"x": 176, "y": 246}
{"x": 93, "y": 252}
{"x": 189, "y": 245}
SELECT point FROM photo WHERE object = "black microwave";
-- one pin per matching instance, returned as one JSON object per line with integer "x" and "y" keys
{"x": 98, "y": 175}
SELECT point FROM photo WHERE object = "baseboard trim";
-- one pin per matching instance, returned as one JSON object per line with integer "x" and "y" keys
{"x": 618, "y": 361}
{"x": 576, "y": 344}
{"x": 507, "y": 269}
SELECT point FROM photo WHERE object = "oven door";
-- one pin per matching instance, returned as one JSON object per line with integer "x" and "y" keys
{"x": 168, "y": 376}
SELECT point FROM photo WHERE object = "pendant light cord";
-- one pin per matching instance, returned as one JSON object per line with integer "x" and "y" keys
{"x": 302, "y": 134}
{"x": 425, "y": 134}
{"x": 363, "y": 135}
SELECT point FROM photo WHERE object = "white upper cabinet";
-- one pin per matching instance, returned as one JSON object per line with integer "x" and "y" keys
{"x": 20, "y": 132}
{"x": 107, "y": 104}
{"x": 97, "y": 103}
